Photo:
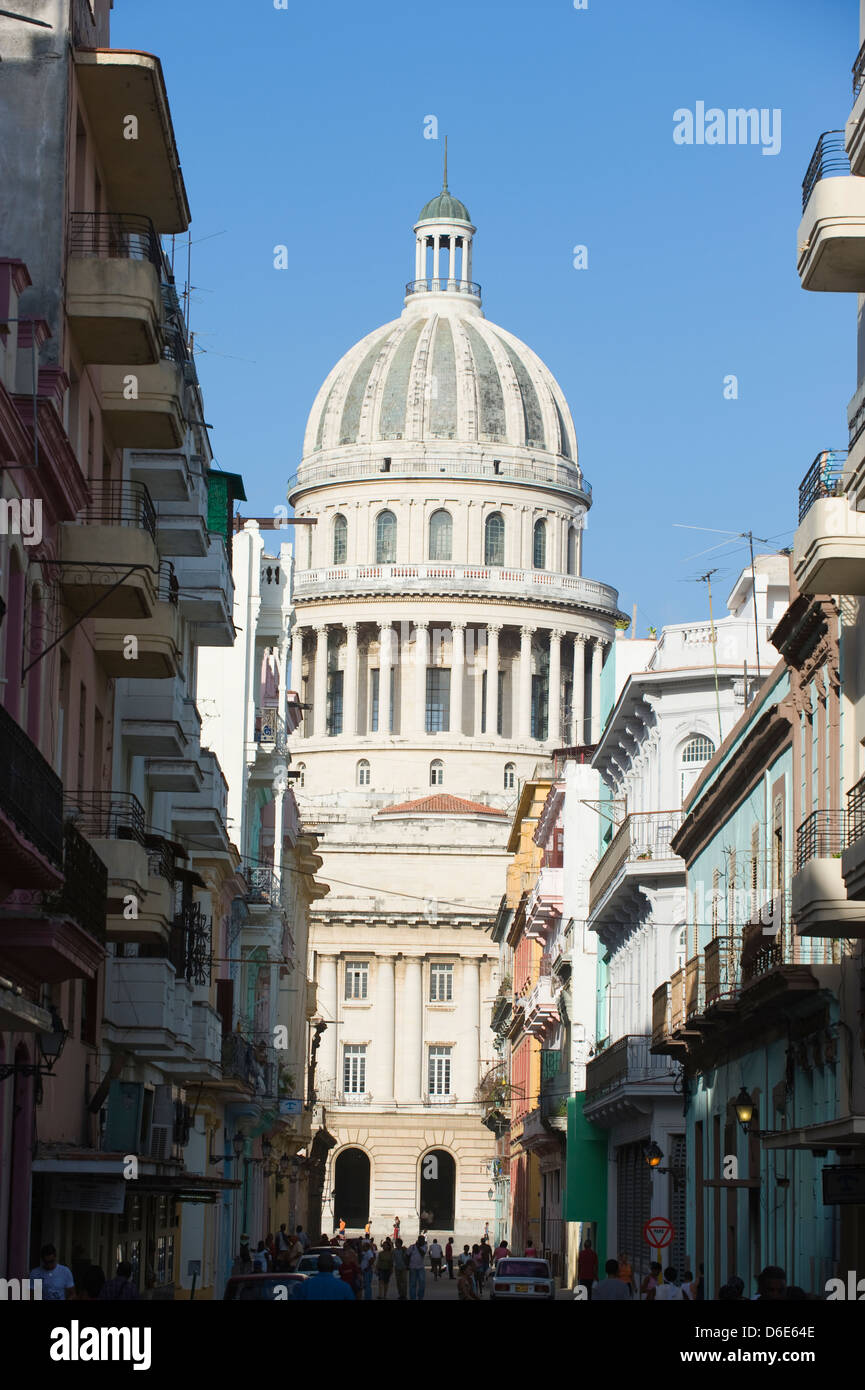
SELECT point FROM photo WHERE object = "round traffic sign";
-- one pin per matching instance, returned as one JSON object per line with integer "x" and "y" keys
{"x": 658, "y": 1232}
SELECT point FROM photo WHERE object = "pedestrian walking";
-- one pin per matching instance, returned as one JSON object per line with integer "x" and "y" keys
{"x": 400, "y": 1269}
{"x": 349, "y": 1271}
{"x": 501, "y": 1252}
{"x": 669, "y": 1291}
{"x": 436, "y": 1255}
{"x": 367, "y": 1265}
{"x": 486, "y": 1255}
{"x": 260, "y": 1260}
{"x": 651, "y": 1281}
{"x": 417, "y": 1270}
{"x": 384, "y": 1266}
{"x": 449, "y": 1256}
{"x": 283, "y": 1240}
{"x": 467, "y": 1288}
{"x": 611, "y": 1289}
{"x": 302, "y": 1237}
{"x": 367, "y": 1230}
{"x": 531, "y": 1252}
{"x": 121, "y": 1287}
{"x": 464, "y": 1258}
{"x": 626, "y": 1272}
{"x": 57, "y": 1281}
{"x": 689, "y": 1287}
{"x": 587, "y": 1268}
{"x": 322, "y": 1286}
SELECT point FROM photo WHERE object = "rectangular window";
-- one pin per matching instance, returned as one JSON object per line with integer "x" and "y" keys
{"x": 354, "y": 1069}
{"x": 375, "y": 677}
{"x": 441, "y": 984}
{"x": 356, "y": 979}
{"x": 334, "y": 702}
{"x": 540, "y": 707}
{"x": 440, "y": 1071}
{"x": 438, "y": 699}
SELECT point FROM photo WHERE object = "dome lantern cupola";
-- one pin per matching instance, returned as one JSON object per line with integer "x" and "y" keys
{"x": 443, "y": 248}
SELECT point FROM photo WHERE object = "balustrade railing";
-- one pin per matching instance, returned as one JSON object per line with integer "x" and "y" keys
{"x": 641, "y": 836}
{"x": 829, "y": 159}
{"x": 114, "y": 236}
{"x": 31, "y": 793}
{"x": 825, "y": 478}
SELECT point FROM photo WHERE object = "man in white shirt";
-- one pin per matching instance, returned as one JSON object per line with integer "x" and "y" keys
{"x": 436, "y": 1254}
{"x": 611, "y": 1289}
{"x": 57, "y": 1281}
{"x": 669, "y": 1291}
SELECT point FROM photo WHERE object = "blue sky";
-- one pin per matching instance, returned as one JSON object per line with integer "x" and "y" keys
{"x": 305, "y": 127}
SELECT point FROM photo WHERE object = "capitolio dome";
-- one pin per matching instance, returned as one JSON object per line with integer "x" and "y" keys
{"x": 442, "y": 373}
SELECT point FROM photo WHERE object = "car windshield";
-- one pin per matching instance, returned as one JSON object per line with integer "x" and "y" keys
{"x": 269, "y": 1290}
{"x": 308, "y": 1264}
{"x": 523, "y": 1269}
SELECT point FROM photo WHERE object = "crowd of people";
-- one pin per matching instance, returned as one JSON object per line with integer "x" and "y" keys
{"x": 672, "y": 1285}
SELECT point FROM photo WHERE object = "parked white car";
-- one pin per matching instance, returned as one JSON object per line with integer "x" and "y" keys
{"x": 523, "y": 1278}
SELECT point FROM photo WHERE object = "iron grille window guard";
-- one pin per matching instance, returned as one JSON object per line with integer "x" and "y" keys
{"x": 114, "y": 236}
{"x": 106, "y": 815}
{"x": 829, "y": 158}
{"x": 825, "y": 478}
{"x": 191, "y": 945}
{"x": 84, "y": 894}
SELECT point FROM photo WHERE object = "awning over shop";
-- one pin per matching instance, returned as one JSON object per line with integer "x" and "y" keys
{"x": 847, "y": 1132}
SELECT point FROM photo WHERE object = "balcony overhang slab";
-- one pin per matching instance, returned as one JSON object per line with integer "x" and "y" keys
{"x": 819, "y": 901}
{"x": 829, "y": 548}
{"x": 831, "y": 237}
{"x": 114, "y": 307}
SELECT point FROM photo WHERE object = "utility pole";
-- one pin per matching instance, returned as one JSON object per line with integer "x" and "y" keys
{"x": 707, "y": 580}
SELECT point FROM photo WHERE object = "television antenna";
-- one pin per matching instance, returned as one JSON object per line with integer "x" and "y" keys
{"x": 734, "y": 536}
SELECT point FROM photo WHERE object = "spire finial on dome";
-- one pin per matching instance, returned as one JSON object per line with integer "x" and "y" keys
{"x": 445, "y": 178}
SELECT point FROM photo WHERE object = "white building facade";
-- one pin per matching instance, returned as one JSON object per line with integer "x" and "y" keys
{"x": 444, "y": 639}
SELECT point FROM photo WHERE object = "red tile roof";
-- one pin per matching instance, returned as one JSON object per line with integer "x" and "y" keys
{"x": 442, "y": 805}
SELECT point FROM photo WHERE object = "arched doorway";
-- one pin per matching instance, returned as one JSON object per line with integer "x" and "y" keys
{"x": 351, "y": 1188}
{"x": 438, "y": 1182}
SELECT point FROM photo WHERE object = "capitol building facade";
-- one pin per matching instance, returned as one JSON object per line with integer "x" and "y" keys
{"x": 445, "y": 641}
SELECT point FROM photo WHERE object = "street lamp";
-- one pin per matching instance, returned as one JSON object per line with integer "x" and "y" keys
{"x": 652, "y": 1154}
{"x": 51, "y": 1044}
{"x": 744, "y": 1111}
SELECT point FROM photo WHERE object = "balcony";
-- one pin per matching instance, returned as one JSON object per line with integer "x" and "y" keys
{"x": 143, "y": 408}
{"x": 264, "y": 886}
{"x": 626, "y": 1067}
{"x": 51, "y": 937}
{"x": 143, "y": 173}
{"x": 829, "y": 545}
{"x": 819, "y": 892}
{"x": 152, "y": 720}
{"x": 434, "y": 579}
{"x": 108, "y": 555}
{"x": 173, "y": 775}
{"x": 113, "y": 295}
{"x": 540, "y": 1005}
{"x": 31, "y": 813}
{"x": 270, "y": 730}
{"x": 147, "y": 1009}
{"x": 166, "y": 476}
{"x": 113, "y": 822}
{"x": 150, "y": 647}
{"x": 430, "y": 285}
{"x": 641, "y": 847}
{"x": 200, "y": 816}
{"x": 854, "y": 133}
{"x": 853, "y": 854}
{"x": 721, "y": 974}
{"x": 831, "y": 235}
{"x": 566, "y": 476}
{"x": 207, "y": 594}
{"x": 182, "y": 526}
{"x": 544, "y": 905}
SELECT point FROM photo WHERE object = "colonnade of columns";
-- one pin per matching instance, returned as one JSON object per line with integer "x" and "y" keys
{"x": 444, "y": 249}
{"x": 396, "y": 1062}
{"x": 466, "y": 651}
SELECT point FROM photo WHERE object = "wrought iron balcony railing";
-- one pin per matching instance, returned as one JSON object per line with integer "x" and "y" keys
{"x": 628, "y": 1059}
{"x": 830, "y": 158}
{"x": 820, "y": 836}
{"x": 31, "y": 793}
{"x": 643, "y": 835}
{"x": 238, "y": 1059}
{"x": 430, "y": 285}
{"x": 106, "y": 815}
{"x": 823, "y": 479}
{"x": 264, "y": 885}
{"x": 190, "y": 947}
{"x": 721, "y": 969}
{"x": 84, "y": 894}
{"x": 120, "y": 504}
{"x": 859, "y": 72}
{"x": 855, "y": 813}
{"x": 122, "y": 236}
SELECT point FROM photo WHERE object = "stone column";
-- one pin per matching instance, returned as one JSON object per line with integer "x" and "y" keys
{"x": 328, "y": 1008}
{"x": 578, "y": 693}
{"x": 349, "y": 699}
{"x": 597, "y": 660}
{"x": 385, "y": 666}
{"x": 554, "y": 715}
{"x": 294, "y": 663}
{"x": 436, "y": 250}
{"x": 526, "y": 547}
{"x": 384, "y": 1040}
{"x": 458, "y": 671}
{"x": 411, "y": 1033}
{"x": 468, "y": 1050}
{"x": 421, "y": 662}
{"x": 319, "y": 713}
{"x": 524, "y": 726}
{"x": 492, "y": 709}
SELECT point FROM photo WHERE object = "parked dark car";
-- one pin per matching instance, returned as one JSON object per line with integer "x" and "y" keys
{"x": 257, "y": 1288}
